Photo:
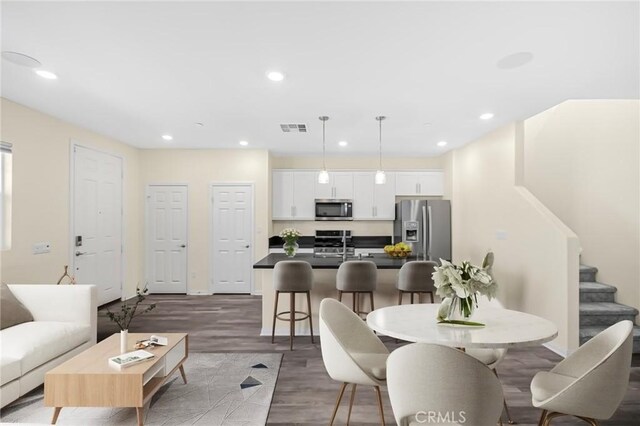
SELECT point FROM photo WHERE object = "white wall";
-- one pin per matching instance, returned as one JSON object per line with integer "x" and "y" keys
{"x": 41, "y": 193}
{"x": 582, "y": 160}
{"x": 536, "y": 264}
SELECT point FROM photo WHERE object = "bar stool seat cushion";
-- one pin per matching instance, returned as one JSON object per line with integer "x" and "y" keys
{"x": 292, "y": 275}
{"x": 372, "y": 363}
{"x": 416, "y": 276}
{"x": 357, "y": 275}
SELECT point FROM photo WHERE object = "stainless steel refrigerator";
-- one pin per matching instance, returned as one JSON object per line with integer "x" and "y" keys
{"x": 425, "y": 225}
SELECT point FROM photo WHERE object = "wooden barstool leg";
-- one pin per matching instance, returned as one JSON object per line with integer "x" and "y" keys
{"x": 309, "y": 311}
{"x": 411, "y": 297}
{"x": 353, "y": 302}
{"x": 371, "y": 298}
{"x": 339, "y": 296}
{"x": 399, "y": 297}
{"x": 292, "y": 319}
{"x": 275, "y": 312}
{"x": 431, "y": 294}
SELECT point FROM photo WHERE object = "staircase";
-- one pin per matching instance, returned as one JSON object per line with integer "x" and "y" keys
{"x": 598, "y": 309}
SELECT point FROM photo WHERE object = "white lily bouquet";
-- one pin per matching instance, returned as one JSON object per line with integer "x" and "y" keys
{"x": 459, "y": 286}
{"x": 290, "y": 237}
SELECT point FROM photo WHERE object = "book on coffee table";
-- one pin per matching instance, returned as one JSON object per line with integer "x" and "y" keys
{"x": 130, "y": 358}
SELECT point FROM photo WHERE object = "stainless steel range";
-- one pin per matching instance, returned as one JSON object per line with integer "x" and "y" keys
{"x": 333, "y": 244}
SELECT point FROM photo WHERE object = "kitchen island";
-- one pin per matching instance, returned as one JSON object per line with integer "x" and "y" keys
{"x": 324, "y": 285}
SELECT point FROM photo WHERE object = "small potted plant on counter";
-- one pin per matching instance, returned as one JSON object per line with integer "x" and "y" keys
{"x": 290, "y": 237}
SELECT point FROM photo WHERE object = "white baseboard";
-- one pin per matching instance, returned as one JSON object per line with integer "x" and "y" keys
{"x": 281, "y": 331}
{"x": 199, "y": 293}
{"x": 256, "y": 293}
{"x": 562, "y": 351}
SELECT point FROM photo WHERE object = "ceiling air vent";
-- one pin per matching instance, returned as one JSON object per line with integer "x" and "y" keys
{"x": 293, "y": 128}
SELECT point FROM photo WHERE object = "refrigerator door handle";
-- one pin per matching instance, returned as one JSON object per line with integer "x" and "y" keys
{"x": 425, "y": 247}
{"x": 430, "y": 233}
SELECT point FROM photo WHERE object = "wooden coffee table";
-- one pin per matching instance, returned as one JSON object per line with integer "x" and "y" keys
{"x": 87, "y": 380}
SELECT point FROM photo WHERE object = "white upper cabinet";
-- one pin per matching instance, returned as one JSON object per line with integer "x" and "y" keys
{"x": 340, "y": 186}
{"x": 420, "y": 183}
{"x": 371, "y": 201}
{"x": 292, "y": 195}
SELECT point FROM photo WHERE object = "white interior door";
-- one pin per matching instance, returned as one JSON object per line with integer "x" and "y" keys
{"x": 166, "y": 251}
{"x": 97, "y": 222}
{"x": 232, "y": 238}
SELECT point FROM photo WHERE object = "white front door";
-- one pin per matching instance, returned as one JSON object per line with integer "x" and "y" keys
{"x": 166, "y": 238}
{"x": 232, "y": 238}
{"x": 97, "y": 222}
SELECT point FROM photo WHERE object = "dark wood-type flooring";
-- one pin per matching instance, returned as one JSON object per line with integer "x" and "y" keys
{"x": 304, "y": 392}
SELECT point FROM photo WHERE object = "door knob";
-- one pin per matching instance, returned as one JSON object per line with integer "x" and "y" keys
{"x": 80, "y": 253}
{"x": 247, "y": 246}
{"x": 183, "y": 245}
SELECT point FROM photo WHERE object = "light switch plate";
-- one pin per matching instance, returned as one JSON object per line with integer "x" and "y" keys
{"x": 501, "y": 234}
{"x": 41, "y": 248}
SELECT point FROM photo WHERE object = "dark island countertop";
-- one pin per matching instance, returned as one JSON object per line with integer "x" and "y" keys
{"x": 381, "y": 260}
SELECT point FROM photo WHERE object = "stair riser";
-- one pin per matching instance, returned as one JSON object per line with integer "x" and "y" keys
{"x": 597, "y": 297}
{"x": 587, "y": 276}
{"x": 605, "y": 320}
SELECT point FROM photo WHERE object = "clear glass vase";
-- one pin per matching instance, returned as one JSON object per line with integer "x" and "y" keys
{"x": 290, "y": 248}
{"x": 461, "y": 309}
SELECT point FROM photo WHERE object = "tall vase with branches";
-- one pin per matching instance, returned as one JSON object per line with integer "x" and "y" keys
{"x": 128, "y": 312}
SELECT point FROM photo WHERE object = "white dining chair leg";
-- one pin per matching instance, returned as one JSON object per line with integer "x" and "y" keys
{"x": 335, "y": 410}
{"x": 353, "y": 395}
{"x": 380, "y": 409}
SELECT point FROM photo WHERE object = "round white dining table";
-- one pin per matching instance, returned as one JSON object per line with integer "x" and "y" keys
{"x": 503, "y": 328}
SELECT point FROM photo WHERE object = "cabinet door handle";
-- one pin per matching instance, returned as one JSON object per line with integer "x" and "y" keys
{"x": 373, "y": 211}
{"x": 291, "y": 211}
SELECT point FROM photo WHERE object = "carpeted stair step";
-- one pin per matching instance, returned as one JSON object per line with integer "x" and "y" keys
{"x": 586, "y": 333}
{"x": 597, "y": 292}
{"x": 587, "y": 273}
{"x": 605, "y": 313}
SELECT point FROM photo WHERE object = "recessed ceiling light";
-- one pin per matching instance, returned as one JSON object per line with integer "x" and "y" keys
{"x": 167, "y": 137}
{"x": 46, "y": 74}
{"x": 243, "y": 143}
{"x": 275, "y": 76}
{"x": 343, "y": 143}
{"x": 442, "y": 143}
{"x": 21, "y": 59}
{"x": 199, "y": 124}
{"x": 486, "y": 116}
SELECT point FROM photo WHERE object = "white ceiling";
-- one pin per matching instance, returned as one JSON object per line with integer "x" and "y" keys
{"x": 135, "y": 71}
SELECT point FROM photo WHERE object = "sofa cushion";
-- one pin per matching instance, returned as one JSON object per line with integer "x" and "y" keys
{"x": 36, "y": 342}
{"x": 12, "y": 312}
{"x": 9, "y": 369}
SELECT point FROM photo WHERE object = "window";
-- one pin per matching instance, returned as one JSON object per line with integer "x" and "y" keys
{"x": 5, "y": 195}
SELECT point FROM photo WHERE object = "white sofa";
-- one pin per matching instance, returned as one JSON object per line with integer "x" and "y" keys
{"x": 65, "y": 324}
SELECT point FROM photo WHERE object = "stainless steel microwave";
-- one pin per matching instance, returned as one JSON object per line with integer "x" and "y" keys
{"x": 334, "y": 209}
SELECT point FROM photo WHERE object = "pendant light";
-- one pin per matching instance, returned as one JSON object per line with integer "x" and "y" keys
{"x": 323, "y": 176}
{"x": 381, "y": 178}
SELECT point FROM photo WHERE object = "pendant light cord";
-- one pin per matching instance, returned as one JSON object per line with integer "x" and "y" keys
{"x": 380, "y": 145}
{"x": 324, "y": 164}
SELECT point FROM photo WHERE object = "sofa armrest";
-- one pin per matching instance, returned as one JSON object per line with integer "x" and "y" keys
{"x": 66, "y": 303}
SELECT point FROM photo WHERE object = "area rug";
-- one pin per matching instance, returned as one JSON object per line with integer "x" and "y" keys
{"x": 222, "y": 389}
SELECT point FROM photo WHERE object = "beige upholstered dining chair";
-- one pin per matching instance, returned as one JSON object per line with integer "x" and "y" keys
{"x": 351, "y": 352}
{"x": 591, "y": 382}
{"x": 435, "y": 384}
{"x": 491, "y": 357}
